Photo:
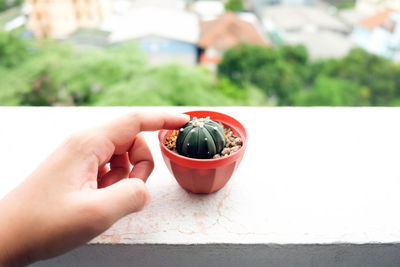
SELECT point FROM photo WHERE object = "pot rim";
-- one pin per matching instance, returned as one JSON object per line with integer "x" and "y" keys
{"x": 229, "y": 121}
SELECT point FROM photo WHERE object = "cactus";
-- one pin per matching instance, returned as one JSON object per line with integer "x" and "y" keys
{"x": 201, "y": 138}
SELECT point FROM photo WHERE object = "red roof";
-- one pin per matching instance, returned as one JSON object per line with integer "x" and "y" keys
{"x": 229, "y": 30}
{"x": 377, "y": 20}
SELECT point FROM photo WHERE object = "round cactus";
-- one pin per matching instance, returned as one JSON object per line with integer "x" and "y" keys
{"x": 201, "y": 138}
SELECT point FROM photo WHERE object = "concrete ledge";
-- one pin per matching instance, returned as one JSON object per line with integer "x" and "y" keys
{"x": 310, "y": 176}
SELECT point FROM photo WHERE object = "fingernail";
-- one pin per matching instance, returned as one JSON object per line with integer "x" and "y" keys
{"x": 185, "y": 116}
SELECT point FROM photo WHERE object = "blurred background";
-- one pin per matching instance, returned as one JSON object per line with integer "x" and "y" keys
{"x": 200, "y": 53}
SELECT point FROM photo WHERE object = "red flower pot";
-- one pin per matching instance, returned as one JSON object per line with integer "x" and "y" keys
{"x": 204, "y": 175}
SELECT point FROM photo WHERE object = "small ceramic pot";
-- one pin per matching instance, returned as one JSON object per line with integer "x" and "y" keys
{"x": 204, "y": 175}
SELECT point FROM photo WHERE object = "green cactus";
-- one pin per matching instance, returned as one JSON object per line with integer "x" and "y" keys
{"x": 201, "y": 138}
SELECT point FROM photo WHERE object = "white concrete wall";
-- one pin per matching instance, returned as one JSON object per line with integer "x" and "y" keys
{"x": 317, "y": 187}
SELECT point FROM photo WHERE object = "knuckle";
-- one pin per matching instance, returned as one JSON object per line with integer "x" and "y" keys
{"x": 87, "y": 142}
{"x": 137, "y": 118}
{"x": 150, "y": 165}
{"x": 80, "y": 141}
{"x": 74, "y": 140}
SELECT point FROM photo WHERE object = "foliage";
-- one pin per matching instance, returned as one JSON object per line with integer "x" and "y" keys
{"x": 60, "y": 75}
{"x": 244, "y": 95}
{"x": 286, "y": 73}
{"x": 360, "y": 67}
{"x": 85, "y": 73}
{"x": 6, "y": 4}
{"x": 333, "y": 92}
{"x": 165, "y": 85}
{"x": 55, "y": 74}
{"x": 279, "y": 72}
{"x": 346, "y": 5}
{"x": 12, "y": 49}
{"x": 342, "y": 4}
{"x": 231, "y": 90}
{"x": 49, "y": 73}
{"x": 234, "y": 5}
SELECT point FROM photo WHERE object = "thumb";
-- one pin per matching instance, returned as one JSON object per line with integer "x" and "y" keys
{"x": 124, "y": 197}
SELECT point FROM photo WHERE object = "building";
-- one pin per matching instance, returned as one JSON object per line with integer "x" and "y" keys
{"x": 264, "y": 3}
{"x": 13, "y": 18}
{"x": 259, "y": 5}
{"x": 224, "y": 32}
{"x": 324, "y": 35}
{"x": 207, "y": 9}
{"x": 165, "y": 34}
{"x": 89, "y": 37}
{"x": 58, "y": 19}
{"x": 350, "y": 16}
{"x": 371, "y": 7}
{"x": 299, "y": 18}
{"x": 175, "y": 4}
{"x": 380, "y": 34}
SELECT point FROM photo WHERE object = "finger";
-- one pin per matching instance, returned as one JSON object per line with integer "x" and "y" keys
{"x": 122, "y": 198}
{"x": 121, "y": 132}
{"x": 103, "y": 170}
{"x": 141, "y": 159}
{"x": 116, "y": 137}
{"x": 119, "y": 169}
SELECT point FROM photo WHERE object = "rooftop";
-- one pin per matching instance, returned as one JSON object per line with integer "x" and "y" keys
{"x": 178, "y": 4}
{"x": 229, "y": 30}
{"x": 294, "y": 18}
{"x": 91, "y": 37}
{"x": 350, "y": 16}
{"x": 208, "y": 9}
{"x": 152, "y": 21}
{"x": 322, "y": 44}
{"x": 377, "y": 20}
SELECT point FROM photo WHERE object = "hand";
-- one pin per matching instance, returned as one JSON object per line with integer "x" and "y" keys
{"x": 74, "y": 195}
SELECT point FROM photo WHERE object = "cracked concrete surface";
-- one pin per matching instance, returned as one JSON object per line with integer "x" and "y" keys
{"x": 309, "y": 176}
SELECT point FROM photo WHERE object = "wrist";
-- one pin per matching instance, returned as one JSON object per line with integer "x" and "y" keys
{"x": 10, "y": 260}
{"x": 12, "y": 246}
{"x": 4, "y": 257}
{"x": 8, "y": 253}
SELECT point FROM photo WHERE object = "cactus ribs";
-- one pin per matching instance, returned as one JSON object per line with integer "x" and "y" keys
{"x": 233, "y": 143}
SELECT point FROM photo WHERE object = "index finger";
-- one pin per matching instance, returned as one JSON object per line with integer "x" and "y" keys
{"x": 121, "y": 132}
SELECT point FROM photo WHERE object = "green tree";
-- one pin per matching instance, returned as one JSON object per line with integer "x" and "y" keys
{"x": 55, "y": 74}
{"x": 50, "y": 73}
{"x": 234, "y": 5}
{"x": 12, "y": 49}
{"x": 83, "y": 74}
{"x": 397, "y": 80}
{"x": 6, "y": 4}
{"x": 43, "y": 91}
{"x": 31, "y": 82}
{"x": 365, "y": 69}
{"x": 78, "y": 75}
{"x": 333, "y": 92}
{"x": 279, "y": 72}
{"x": 3, "y": 5}
{"x": 166, "y": 85}
{"x": 229, "y": 89}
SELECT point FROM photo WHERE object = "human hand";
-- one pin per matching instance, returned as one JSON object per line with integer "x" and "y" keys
{"x": 74, "y": 195}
